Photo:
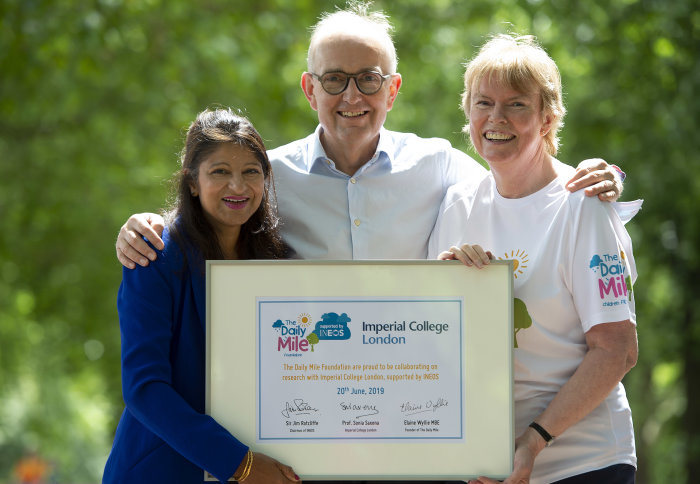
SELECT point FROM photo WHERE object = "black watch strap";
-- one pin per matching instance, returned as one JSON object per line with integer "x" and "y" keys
{"x": 548, "y": 438}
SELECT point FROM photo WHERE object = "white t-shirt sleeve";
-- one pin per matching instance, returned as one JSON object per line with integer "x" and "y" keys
{"x": 463, "y": 175}
{"x": 602, "y": 268}
{"x": 461, "y": 168}
{"x": 451, "y": 221}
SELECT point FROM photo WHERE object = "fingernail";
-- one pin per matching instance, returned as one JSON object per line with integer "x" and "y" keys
{"x": 296, "y": 477}
{"x": 143, "y": 262}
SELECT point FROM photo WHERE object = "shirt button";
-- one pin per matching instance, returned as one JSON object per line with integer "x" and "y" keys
{"x": 353, "y": 181}
{"x": 357, "y": 222}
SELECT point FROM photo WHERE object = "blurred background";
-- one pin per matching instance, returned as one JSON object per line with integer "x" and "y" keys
{"x": 94, "y": 99}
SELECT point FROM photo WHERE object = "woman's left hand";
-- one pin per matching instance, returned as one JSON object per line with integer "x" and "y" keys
{"x": 598, "y": 178}
{"x": 468, "y": 254}
{"x": 612, "y": 352}
{"x": 527, "y": 446}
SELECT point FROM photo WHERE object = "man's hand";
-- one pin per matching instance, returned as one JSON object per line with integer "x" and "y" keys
{"x": 131, "y": 248}
{"x": 598, "y": 178}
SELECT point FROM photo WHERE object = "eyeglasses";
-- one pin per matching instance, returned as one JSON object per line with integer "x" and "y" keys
{"x": 367, "y": 83}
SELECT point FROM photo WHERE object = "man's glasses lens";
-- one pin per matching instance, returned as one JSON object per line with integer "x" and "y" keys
{"x": 367, "y": 82}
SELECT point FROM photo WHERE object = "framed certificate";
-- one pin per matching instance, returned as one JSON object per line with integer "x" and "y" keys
{"x": 364, "y": 370}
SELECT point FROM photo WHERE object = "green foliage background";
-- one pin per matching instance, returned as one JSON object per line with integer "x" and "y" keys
{"x": 94, "y": 97}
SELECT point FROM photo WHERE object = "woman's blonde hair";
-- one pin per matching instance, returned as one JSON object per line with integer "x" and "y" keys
{"x": 520, "y": 63}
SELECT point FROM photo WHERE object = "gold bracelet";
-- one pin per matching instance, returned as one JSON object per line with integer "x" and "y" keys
{"x": 247, "y": 459}
{"x": 234, "y": 474}
{"x": 247, "y": 468}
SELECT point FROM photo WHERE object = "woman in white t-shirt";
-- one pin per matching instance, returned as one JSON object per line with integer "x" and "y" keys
{"x": 575, "y": 325}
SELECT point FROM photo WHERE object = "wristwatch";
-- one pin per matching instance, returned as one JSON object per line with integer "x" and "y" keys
{"x": 548, "y": 438}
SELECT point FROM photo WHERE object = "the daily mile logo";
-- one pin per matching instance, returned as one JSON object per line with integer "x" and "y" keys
{"x": 613, "y": 279}
{"x": 294, "y": 337}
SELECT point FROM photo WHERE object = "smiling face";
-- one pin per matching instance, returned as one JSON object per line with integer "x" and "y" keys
{"x": 351, "y": 120}
{"x": 230, "y": 185}
{"x": 507, "y": 126}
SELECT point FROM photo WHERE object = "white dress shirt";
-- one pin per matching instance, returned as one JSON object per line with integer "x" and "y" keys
{"x": 386, "y": 210}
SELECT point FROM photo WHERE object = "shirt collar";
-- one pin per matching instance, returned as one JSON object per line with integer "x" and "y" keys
{"x": 385, "y": 150}
{"x": 386, "y": 145}
{"x": 317, "y": 153}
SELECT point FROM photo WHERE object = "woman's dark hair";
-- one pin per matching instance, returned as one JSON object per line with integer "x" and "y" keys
{"x": 259, "y": 237}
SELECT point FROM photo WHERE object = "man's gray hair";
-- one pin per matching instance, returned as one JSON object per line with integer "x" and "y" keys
{"x": 355, "y": 18}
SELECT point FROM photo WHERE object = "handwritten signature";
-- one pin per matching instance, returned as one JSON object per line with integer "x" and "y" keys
{"x": 413, "y": 408}
{"x": 365, "y": 409}
{"x": 297, "y": 407}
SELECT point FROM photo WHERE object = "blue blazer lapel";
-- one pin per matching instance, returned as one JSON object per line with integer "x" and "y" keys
{"x": 197, "y": 276}
{"x": 200, "y": 296}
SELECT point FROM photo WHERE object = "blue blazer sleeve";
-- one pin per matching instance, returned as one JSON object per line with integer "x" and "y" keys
{"x": 163, "y": 353}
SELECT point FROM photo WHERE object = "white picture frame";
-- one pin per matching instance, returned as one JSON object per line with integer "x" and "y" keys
{"x": 234, "y": 289}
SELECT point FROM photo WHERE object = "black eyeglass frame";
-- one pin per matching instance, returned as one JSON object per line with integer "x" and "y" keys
{"x": 383, "y": 78}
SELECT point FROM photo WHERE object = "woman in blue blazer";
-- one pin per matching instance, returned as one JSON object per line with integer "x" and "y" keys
{"x": 222, "y": 211}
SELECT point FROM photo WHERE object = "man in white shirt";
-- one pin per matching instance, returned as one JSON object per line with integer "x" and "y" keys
{"x": 352, "y": 189}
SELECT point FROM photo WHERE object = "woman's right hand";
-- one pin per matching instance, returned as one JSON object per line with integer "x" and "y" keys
{"x": 267, "y": 470}
{"x": 468, "y": 254}
{"x": 131, "y": 248}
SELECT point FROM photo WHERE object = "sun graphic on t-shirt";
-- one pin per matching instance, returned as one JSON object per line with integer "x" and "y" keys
{"x": 520, "y": 260}
{"x": 304, "y": 319}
